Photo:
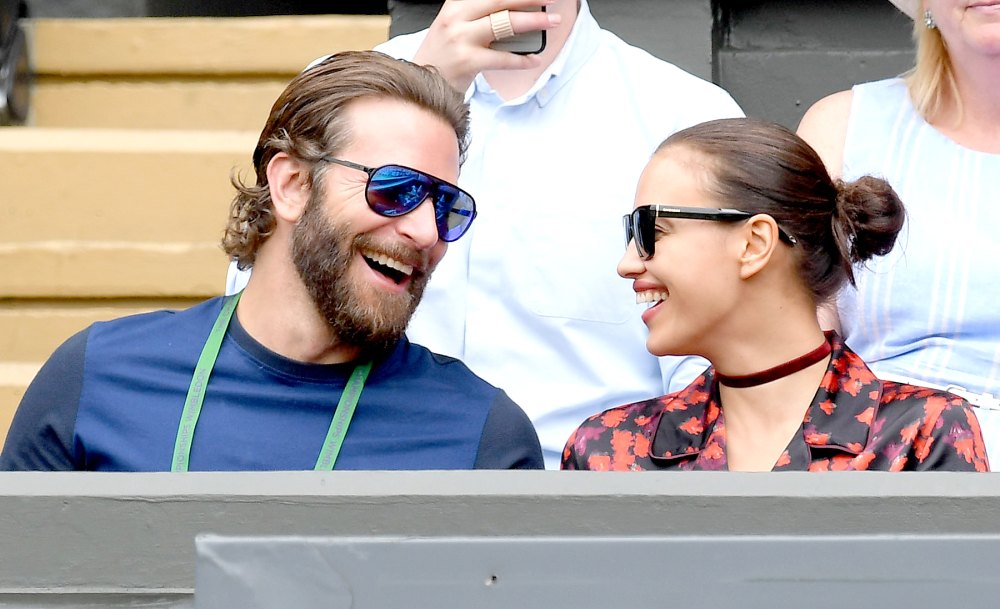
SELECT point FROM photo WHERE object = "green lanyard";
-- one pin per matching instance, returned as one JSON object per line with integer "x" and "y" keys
{"x": 196, "y": 396}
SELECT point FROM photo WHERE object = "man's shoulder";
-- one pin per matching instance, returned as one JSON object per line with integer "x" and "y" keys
{"x": 145, "y": 330}
{"x": 428, "y": 365}
{"x": 471, "y": 409}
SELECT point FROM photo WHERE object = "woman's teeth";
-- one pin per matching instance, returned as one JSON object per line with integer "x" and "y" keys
{"x": 650, "y": 296}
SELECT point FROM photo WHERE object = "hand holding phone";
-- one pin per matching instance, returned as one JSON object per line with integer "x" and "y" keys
{"x": 460, "y": 38}
{"x": 527, "y": 43}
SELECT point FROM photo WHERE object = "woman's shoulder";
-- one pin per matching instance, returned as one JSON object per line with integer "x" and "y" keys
{"x": 824, "y": 127}
{"x": 926, "y": 402}
{"x": 941, "y": 427}
{"x": 838, "y": 123}
{"x": 598, "y": 435}
{"x": 637, "y": 414}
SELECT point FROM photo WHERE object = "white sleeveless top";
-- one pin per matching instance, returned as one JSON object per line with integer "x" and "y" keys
{"x": 929, "y": 310}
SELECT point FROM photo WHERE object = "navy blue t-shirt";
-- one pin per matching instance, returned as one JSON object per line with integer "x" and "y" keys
{"x": 110, "y": 399}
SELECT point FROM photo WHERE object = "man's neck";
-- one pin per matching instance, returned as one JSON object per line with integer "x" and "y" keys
{"x": 277, "y": 312}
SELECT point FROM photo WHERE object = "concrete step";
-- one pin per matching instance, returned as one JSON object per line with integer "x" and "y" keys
{"x": 179, "y": 73}
{"x": 146, "y": 103}
{"x": 105, "y": 213}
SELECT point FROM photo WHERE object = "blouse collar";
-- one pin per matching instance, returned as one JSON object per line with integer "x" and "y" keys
{"x": 849, "y": 394}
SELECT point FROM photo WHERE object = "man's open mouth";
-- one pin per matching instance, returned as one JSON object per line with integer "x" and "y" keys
{"x": 394, "y": 269}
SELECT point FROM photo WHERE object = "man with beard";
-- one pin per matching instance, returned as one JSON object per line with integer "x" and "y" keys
{"x": 308, "y": 367}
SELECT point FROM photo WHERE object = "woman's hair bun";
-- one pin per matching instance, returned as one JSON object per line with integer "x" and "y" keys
{"x": 867, "y": 218}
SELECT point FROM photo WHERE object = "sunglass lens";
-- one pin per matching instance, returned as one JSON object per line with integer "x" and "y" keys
{"x": 394, "y": 190}
{"x": 643, "y": 232}
{"x": 455, "y": 210}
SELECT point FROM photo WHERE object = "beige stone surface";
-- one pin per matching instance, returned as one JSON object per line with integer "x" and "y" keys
{"x": 117, "y": 185}
{"x": 217, "y": 103}
{"x": 239, "y": 45}
{"x": 80, "y": 270}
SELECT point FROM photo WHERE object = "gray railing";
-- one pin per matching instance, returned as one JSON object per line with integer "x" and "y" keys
{"x": 82, "y": 539}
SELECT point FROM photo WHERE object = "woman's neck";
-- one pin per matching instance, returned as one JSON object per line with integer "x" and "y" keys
{"x": 761, "y": 419}
{"x": 973, "y": 120}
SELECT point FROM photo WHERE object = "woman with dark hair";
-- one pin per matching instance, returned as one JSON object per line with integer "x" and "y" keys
{"x": 738, "y": 233}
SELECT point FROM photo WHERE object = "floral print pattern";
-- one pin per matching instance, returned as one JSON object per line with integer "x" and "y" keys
{"x": 855, "y": 422}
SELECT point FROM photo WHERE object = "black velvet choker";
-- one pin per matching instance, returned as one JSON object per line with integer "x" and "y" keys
{"x": 781, "y": 370}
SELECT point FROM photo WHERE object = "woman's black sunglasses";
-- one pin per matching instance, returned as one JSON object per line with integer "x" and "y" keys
{"x": 396, "y": 190}
{"x": 640, "y": 225}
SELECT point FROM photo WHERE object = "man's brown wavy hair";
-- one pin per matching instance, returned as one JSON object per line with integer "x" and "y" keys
{"x": 308, "y": 121}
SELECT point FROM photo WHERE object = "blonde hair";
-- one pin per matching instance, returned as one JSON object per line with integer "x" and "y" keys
{"x": 931, "y": 81}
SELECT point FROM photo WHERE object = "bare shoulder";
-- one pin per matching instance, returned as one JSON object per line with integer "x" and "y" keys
{"x": 824, "y": 126}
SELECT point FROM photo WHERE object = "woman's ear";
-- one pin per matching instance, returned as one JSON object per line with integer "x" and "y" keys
{"x": 761, "y": 237}
{"x": 288, "y": 181}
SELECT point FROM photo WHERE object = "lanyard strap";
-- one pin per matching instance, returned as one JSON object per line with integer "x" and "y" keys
{"x": 342, "y": 418}
{"x": 203, "y": 370}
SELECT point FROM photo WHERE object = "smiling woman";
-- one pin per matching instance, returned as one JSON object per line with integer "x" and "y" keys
{"x": 738, "y": 233}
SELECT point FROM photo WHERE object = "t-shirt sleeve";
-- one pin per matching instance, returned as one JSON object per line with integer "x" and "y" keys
{"x": 509, "y": 440}
{"x": 41, "y": 435}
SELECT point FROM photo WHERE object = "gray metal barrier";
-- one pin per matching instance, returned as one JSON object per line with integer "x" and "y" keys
{"x": 127, "y": 540}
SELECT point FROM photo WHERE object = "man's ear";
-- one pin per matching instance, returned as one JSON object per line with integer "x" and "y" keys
{"x": 288, "y": 180}
{"x": 761, "y": 237}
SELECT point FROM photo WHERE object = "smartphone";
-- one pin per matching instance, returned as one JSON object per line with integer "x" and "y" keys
{"x": 527, "y": 43}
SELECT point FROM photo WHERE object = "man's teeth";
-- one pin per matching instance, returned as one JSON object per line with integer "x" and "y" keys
{"x": 650, "y": 296}
{"x": 392, "y": 263}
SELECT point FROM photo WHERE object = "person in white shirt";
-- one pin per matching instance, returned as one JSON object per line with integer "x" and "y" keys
{"x": 530, "y": 299}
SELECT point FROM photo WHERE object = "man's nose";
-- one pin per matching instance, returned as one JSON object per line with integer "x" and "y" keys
{"x": 420, "y": 225}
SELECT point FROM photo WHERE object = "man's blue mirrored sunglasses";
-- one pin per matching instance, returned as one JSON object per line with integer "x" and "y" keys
{"x": 396, "y": 190}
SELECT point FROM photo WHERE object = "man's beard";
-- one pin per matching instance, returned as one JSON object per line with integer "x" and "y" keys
{"x": 357, "y": 314}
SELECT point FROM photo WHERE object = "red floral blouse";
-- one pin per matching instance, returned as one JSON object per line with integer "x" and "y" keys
{"x": 856, "y": 422}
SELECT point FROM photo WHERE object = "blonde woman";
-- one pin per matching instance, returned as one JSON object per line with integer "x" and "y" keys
{"x": 927, "y": 312}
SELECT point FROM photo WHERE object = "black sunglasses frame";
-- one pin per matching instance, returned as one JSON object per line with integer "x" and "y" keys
{"x": 645, "y": 217}
{"x": 440, "y": 214}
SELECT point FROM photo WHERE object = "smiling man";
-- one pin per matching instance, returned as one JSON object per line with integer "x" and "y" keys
{"x": 308, "y": 368}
